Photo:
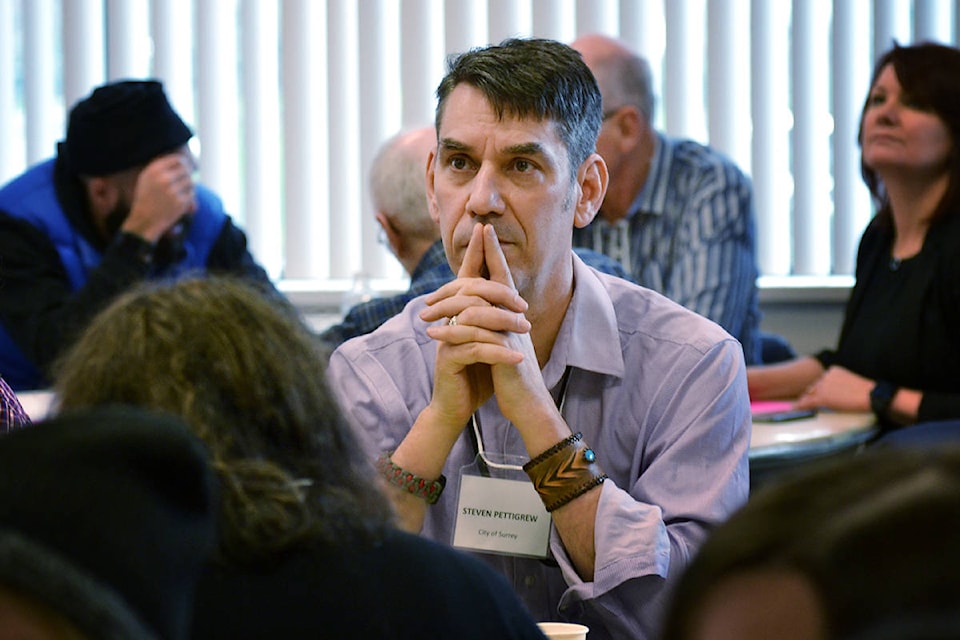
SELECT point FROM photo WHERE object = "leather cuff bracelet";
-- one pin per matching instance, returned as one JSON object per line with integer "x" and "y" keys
{"x": 428, "y": 490}
{"x": 565, "y": 471}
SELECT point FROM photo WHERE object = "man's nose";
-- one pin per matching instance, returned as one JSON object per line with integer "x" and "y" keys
{"x": 485, "y": 194}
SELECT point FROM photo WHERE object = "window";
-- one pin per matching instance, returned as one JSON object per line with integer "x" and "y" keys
{"x": 290, "y": 99}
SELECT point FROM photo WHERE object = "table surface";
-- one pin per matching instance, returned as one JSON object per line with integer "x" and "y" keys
{"x": 826, "y": 432}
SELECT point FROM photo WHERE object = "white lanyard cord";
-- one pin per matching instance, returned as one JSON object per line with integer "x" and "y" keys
{"x": 475, "y": 422}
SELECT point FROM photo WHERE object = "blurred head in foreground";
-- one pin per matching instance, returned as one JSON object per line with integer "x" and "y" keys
{"x": 865, "y": 547}
{"x": 107, "y": 517}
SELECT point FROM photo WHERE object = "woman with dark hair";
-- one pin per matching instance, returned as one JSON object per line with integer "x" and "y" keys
{"x": 308, "y": 547}
{"x": 899, "y": 348}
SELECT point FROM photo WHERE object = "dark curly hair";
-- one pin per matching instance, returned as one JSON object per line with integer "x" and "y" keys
{"x": 249, "y": 378}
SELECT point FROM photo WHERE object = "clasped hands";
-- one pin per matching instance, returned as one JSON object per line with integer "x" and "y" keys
{"x": 489, "y": 349}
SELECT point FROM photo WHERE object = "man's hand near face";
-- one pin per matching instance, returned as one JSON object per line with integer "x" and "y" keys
{"x": 489, "y": 313}
{"x": 489, "y": 350}
{"x": 164, "y": 193}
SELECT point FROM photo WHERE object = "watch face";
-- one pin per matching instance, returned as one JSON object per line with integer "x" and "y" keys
{"x": 170, "y": 246}
{"x": 884, "y": 390}
{"x": 881, "y": 396}
{"x": 136, "y": 247}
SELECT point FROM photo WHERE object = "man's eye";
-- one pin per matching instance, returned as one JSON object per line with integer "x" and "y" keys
{"x": 458, "y": 163}
{"x": 522, "y": 166}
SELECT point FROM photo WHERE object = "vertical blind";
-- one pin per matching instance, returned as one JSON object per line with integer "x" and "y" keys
{"x": 291, "y": 98}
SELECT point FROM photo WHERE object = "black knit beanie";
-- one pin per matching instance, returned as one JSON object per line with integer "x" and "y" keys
{"x": 107, "y": 516}
{"x": 121, "y": 125}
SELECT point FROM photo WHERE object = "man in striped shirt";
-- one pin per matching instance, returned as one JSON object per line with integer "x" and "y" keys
{"x": 677, "y": 214}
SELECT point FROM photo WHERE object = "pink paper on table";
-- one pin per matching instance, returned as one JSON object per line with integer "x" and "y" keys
{"x": 770, "y": 406}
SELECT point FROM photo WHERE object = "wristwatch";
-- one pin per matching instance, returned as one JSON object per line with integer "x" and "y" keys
{"x": 135, "y": 247}
{"x": 881, "y": 396}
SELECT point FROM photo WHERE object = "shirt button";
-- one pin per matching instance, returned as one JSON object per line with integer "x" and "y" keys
{"x": 529, "y": 581}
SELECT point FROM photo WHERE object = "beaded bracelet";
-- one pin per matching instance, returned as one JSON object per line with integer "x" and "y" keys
{"x": 565, "y": 471}
{"x": 429, "y": 490}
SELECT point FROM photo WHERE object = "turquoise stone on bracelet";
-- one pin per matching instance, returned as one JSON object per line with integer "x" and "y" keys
{"x": 589, "y": 455}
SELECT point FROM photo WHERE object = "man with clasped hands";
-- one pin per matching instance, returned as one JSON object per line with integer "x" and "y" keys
{"x": 630, "y": 412}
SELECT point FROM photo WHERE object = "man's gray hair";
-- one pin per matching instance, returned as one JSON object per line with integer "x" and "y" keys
{"x": 398, "y": 188}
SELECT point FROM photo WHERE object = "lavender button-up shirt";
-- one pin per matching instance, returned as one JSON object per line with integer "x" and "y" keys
{"x": 658, "y": 392}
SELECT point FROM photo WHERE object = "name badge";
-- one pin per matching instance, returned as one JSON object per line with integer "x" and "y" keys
{"x": 497, "y": 512}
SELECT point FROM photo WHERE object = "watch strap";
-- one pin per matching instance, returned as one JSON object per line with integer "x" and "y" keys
{"x": 134, "y": 248}
{"x": 881, "y": 396}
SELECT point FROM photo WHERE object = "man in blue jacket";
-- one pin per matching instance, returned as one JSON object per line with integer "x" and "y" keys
{"x": 116, "y": 206}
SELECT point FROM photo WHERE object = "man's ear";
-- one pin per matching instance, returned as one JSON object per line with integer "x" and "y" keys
{"x": 431, "y": 195}
{"x": 102, "y": 195}
{"x": 592, "y": 178}
{"x": 394, "y": 237}
{"x": 629, "y": 127}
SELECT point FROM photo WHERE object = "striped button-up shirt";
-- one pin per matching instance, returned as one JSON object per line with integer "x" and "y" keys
{"x": 691, "y": 235}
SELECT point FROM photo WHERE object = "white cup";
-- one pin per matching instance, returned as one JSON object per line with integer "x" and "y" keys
{"x": 563, "y": 630}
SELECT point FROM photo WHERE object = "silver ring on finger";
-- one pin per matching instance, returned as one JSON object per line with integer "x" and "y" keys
{"x": 452, "y": 321}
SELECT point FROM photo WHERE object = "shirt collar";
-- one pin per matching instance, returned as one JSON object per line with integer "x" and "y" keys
{"x": 589, "y": 338}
